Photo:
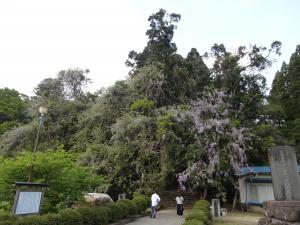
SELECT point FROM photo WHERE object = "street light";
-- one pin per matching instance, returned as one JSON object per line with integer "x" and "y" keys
{"x": 29, "y": 196}
{"x": 43, "y": 110}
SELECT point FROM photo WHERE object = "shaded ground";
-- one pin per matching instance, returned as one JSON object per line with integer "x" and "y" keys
{"x": 239, "y": 218}
{"x": 164, "y": 217}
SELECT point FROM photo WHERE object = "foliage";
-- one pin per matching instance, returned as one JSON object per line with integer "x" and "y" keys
{"x": 160, "y": 37}
{"x": 172, "y": 114}
{"x": 284, "y": 99}
{"x": 100, "y": 216}
{"x": 143, "y": 106}
{"x": 193, "y": 222}
{"x": 117, "y": 212}
{"x": 124, "y": 207}
{"x": 87, "y": 215}
{"x": 70, "y": 217}
{"x": 12, "y": 109}
{"x": 221, "y": 141}
{"x": 200, "y": 214}
{"x": 67, "y": 180}
{"x": 131, "y": 206}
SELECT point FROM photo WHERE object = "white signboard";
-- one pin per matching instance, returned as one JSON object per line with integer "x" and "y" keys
{"x": 28, "y": 202}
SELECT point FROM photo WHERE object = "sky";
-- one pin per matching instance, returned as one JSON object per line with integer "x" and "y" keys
{"x": 38, "y": 38}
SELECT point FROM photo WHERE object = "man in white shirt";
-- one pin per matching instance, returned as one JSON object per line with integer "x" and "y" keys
{"x": 155, "y": 199}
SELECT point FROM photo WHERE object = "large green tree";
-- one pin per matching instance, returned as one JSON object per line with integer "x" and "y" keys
{"x": 12, "y": 109}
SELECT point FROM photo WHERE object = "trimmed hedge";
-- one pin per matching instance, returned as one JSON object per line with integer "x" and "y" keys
{"x": 142, "y": 202}
{"x": 99, "y": 216}
{"x": 131, "y": 206}
{"x": 84, "y": 215}
{"x": 109, "y": 213}
{"x": 30, "y": 220}
{"x": 6, "y": 216}
{"x": 87, "y": 215}
{"x": 124, "y": 207}
{"x": 70, "y": 217}
{"x": 193, "y": 222}
{"x": 6, "y": 222}
{"x": 117, "y": 212}
{"x": 200, "y": 214}
{"x": 51, "y": 219}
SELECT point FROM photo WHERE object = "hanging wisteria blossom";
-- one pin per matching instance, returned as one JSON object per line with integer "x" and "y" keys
{"x": 216, "y": 135}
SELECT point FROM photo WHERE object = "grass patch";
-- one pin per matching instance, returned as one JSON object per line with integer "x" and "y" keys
{"x": 239, "y": 218}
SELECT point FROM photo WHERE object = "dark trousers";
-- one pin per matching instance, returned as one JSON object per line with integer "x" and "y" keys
{"x": 153, "y": 212}
{"x": 180, "y": 209}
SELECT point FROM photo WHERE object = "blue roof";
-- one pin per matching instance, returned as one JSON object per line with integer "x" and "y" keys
{"x": 256, "y": 170}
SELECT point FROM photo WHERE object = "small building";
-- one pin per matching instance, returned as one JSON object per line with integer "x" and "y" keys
{"x": 255, "y": 185}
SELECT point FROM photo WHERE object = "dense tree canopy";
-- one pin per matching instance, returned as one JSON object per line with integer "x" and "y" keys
{"x": 172, "y": 119}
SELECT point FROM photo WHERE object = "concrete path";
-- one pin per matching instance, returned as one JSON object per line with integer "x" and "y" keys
{"x": 163, "y": 217}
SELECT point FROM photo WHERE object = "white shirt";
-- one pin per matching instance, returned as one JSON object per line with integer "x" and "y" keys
{"x": 155, "y": 199}
{"x": 179, "y": 200}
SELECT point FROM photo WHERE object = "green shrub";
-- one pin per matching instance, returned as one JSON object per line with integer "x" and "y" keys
{"x": 51, "y": 219}
{"x": 131, "y": 206}
{"x": 6, "y": 222}
{"x": 30, "y": 220}
{"x": 87, "y": 215}
{"x": 142, "y": 202}
{"x": 146, "y": 201}
{"x": 124, "y": 207}
{"x": 109, "y": 213}
{"x": 193, "y": 222}
{"x": 70, "y": 217}
{"x": 117, "y": 212}
{"x": 139, "y": 204}
{"x": 143, "y": 106}
{"x": 202, "y": 203}
{"x": 100, "y": 215}
{"x": 198, "y": 215}
{"x": 202, "y": 208}
{"x": 6, "y": 216}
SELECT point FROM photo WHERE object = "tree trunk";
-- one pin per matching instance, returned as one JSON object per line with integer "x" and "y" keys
{"x": 204, "y": 196}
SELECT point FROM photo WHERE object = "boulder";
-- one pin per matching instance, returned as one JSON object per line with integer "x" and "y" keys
{"x": 98, "y": 198}
{"x": 283, "y": 210}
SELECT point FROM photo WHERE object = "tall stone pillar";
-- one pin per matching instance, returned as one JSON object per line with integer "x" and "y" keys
{"x": 285, "y": 210}
{"x": 285, "y": 177}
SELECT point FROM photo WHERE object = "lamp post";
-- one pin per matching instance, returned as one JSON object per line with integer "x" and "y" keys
{"x": 29, "y": 196}
{"x": 43, "y": 110}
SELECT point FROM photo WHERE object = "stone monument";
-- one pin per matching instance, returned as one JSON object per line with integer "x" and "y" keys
{"x": 285, "y": 209}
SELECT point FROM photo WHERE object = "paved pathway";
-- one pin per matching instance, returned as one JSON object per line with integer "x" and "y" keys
{"x": 163, "y": 217}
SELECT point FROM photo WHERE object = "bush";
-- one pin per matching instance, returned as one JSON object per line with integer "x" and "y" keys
{"x": 131, "y": 206}
{"x": 30, "y": 220}
{"x": 6, "y": 222}
{"x": 139, "y": 204}
{"x": 117, "y": 212}
{"x": 198, "y": 215}
{"x": 109, "y": 213}
{"x": 124, "y": 207}
{"x": 202, "y": 203}
{"x": 70, "y": 217}
{"x": 87, "y": 215}
{"x": 143, "y": 106}
{"x": 193, "y": 222}
{"x": 6, "y": 216}
{"x": 100, "y": 215}
{"x": 51, "y": 219}
{"x": 142, "y": 202}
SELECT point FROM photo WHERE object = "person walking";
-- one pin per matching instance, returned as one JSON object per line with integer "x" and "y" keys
{"x": 179, "y": 204}
{"x": 155, "y": 199}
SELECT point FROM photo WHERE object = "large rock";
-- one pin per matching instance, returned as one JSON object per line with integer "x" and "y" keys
{"x": 272, "y": 221}
{"x": 283, "y": 210}
{"x": 98, "y": 198}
